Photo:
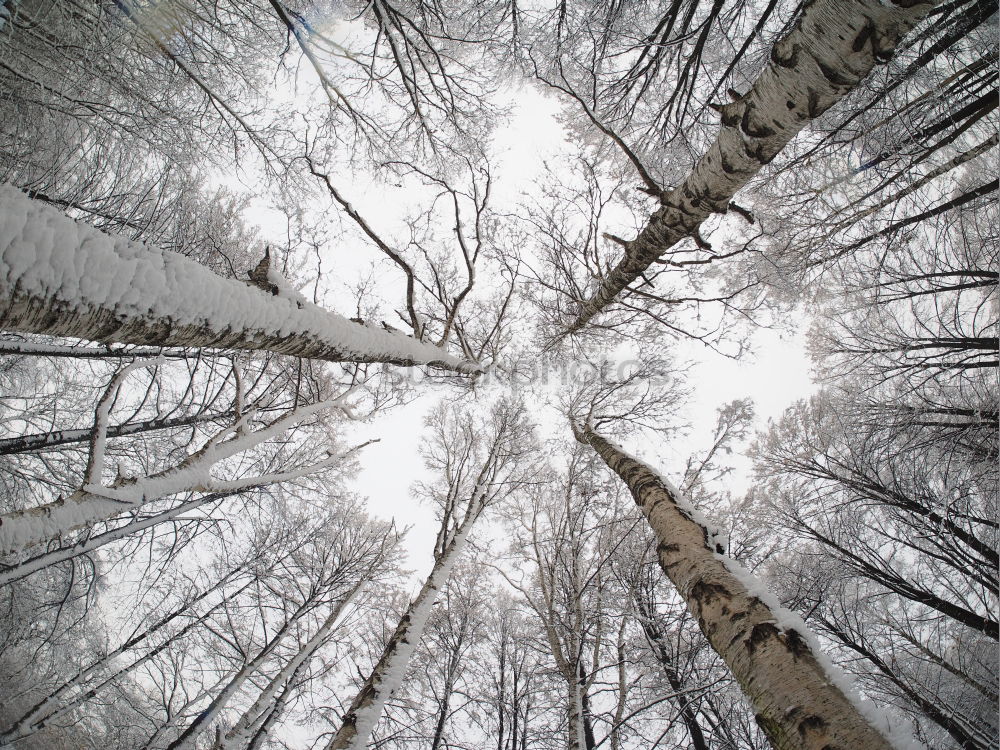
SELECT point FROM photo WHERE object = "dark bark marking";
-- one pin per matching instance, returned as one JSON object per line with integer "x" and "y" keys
{"x": 796, "y": 643}
{"x": 863, "y": 36}
{"x": 811, "y": 723}
{"x": 760, "y": 633}
{"x": 704, "y": 593}
{"x": 834, "y": 76}
{"x": 786, "y": 58}
{"x": 761, "y": 131}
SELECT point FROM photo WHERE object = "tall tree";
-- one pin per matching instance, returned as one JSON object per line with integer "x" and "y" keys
{"x": 184, "y": 303}
{"x": 478, "y": 463}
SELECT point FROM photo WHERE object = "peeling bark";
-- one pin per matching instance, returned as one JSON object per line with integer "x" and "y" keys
{"x": 794, "y": 700}
{"x": 834, "y": 45}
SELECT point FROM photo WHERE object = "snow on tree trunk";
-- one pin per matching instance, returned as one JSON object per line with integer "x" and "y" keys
{"x": 189, "y": 737}
{"x": 62, "y": 700}
{"x": 33, "y": 564}
{"x": 577, "y": 738}
{"x": 792, "y": 688}
{"x": 244, "y": 729}
{"x": 834, "y": 45}
{"x": 388, "y": 673}
{"x": 94, "y": 502}
{"x": 64, "y": 278}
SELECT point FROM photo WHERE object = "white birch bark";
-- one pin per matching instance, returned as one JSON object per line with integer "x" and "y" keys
{"x": 777, "y": 665}
{"x": 244, "y": 729}
{"x": 189, "y": 737}
{"x": 61, "y": 701}
{"x": 577, "y": 737}
{"x": 42, "y": 560}
{"x": 94, "y": 502}
{"x": 835, "y": 44}
{"x": 64, "y": 278}
{"x": 387, "y": 675}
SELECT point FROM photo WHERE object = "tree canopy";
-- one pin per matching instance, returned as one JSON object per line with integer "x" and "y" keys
{"x": 263, "y": 262}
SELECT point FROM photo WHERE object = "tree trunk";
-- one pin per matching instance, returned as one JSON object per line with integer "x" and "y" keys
{"x": 387, "y": 675}
{"x": 57, "y": 702}
{"x": 43, "y": 440}
{"x": 794, "y": 699}
{"x": 20, "y": 530}
{"x": 830, "y": 50}
{"x": 256, "y": 716}
{"x": 189, "y": 737}
{"x": 64, "y": 278}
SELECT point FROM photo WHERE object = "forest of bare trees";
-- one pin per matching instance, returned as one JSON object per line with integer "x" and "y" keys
{"x": 265, "y": 262}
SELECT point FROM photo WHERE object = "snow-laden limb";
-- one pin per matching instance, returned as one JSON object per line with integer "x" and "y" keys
{"x": 95, "y": 502}
{"x": 61, "y": 277}
{"x": 832, "y": 48}
{"x": 801, "y": 699}
{"x": 90, "y": 543}
{"x": 387, "y": 675}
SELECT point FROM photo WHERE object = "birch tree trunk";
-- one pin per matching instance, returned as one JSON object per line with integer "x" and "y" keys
{"x": 15, "y": 571}
{"x": 256, "y": 716}
{"x": 189, "y": 737}
{"x": 59, "y": 702}
{"x": 387, "y": 675}
{"x": 835, "y": 44}
{"x": 64, "y": 278}
{"x": 793, "y": 696}
{"x": 40, "y": 441}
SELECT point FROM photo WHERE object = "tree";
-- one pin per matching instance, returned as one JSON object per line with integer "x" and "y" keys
{"x": 478, "y": 465}
{"x": 185, "y": 563}
{"x": 923, "y": 555}
{"x": 827, "y": 53}
{"x": 171, "y": 310}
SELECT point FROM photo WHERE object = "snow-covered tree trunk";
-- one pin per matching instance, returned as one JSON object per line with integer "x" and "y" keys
{"x": 254, "y": 717}
{"x": 95, "y": 502}
{"x": 33, "y": 564}
{"x": 577, "y": 730}
{"x": 189, "y": 737}
{"x": 64, "y": 278}
{"x": 63, "y": 700}
{"x": 387, "y": 675}
{"x": 834, "y": 45}
{"x": 768, "y": 649}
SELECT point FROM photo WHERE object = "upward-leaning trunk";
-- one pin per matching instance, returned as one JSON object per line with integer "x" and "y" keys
{"x": 793, "y": 696}
{"x": 244, "y": 730}
{"x": 64, "y": 278}
{"x": 830, "y": 50}
{"x": 188, "y": 739}
{"x": 386, "y": 676}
